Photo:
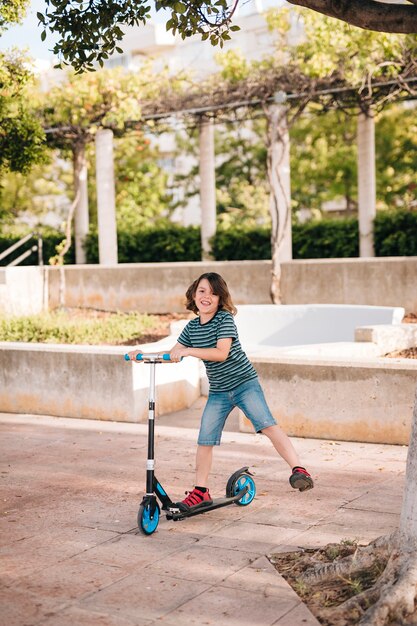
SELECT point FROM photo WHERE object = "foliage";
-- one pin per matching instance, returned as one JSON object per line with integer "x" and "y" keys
{"x": 167, "y": 242}
{"x": 44, "y": 189}
{"x": 162, "y": 243}
{"x": 323, "y": 160}
{"x": 142, "y": 186}
{"x": 358, "y": 58}
{"x": 242, "y": 243}
{"x": 326, "y": 239}
{"x": 90, "y": 31}
{"x": 81, "y": 104}
{"x": 395, "y": 233}
{"x": 21, "y": 134}
{"x": 50, "y": 239}
{"x": 61, "y": 327}
{"x": 11, "y": 12}
{"x": 396, "y": 157}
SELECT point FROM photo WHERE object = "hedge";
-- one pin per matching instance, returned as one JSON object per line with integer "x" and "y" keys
{"x": 395, "y": 235}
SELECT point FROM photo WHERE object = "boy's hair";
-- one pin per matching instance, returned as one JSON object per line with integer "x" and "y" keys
{"x": 219, "y": 288}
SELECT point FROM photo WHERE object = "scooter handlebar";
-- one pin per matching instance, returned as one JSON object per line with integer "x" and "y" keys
{"x": 151, "y": 356}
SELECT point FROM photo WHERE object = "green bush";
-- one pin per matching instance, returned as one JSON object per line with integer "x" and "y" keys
{"x": 326, "y": 239}
{"x": 241, "y": 244}
{"x": 395, "y": 233}
{"x": 152, "y": 245}
{"x": 62, "y": 327}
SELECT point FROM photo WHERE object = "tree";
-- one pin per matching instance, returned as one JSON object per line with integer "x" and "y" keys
{"x": 91, "y": 31}
{"x": 387, "y": 17}
{"x": 21, "y": 134}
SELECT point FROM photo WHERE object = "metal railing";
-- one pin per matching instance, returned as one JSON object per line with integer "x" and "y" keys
{"x": 38, "y": 247}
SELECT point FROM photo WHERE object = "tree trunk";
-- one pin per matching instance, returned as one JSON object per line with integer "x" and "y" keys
{"x": 392, "y": 598}
{"x": 385, "y": 17}
{"x": 106, "y": 202}
{"x": 81, "y": 210}
{"x": 366, "y": 183}
{"x": 207, "y": 187}
{"x": 278, "y": 171}
{"x": 408, "y": 520}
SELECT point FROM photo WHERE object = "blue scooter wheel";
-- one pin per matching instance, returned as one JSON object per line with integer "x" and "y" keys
{"x": 242, "y": 481}
{"x": 148, "y": 523}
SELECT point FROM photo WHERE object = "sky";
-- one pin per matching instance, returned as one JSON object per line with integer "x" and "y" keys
{"x": 28, "y": 35}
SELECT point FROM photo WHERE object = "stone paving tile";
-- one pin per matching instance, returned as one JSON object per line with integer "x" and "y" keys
{"x": 144, "y": 595}
{"x": 226, "y": 607}
{"x": 134, "y": 550}
{"x": 261, "y": 577}
{"x": 74, "y": 616}
{"x": 69, "y": 580}
{"x": 21, "y": 608}
{"x": 248, "y": 537}
{"x": 218, "y": 563}
{"x": 298, "y": 616}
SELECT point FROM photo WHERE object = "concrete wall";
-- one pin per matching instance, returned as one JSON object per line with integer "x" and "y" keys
{"x": 154, "y": 287}
{"x": 368, "y": 401}
{"x": 23, "y": 290}
{"x": 89, "y": 382}
{"x": 385, "y": 281}
{"x": 352, "y": 401}
{"x": 160, "y": 287}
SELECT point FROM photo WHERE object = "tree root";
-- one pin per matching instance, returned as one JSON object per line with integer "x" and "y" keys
{"x": 362, "y": 559}
{"x": 393, "y": 595}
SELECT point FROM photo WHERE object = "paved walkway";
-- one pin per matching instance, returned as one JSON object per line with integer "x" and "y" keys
{"x": 71, "y": 554}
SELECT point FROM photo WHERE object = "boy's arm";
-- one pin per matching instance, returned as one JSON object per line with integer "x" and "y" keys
{"x": 219, "y": 353}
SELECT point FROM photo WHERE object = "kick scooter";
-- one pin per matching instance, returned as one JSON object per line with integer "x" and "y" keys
{"x": 240, "y": 488}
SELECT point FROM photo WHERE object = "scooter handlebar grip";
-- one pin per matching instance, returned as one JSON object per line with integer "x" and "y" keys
{"x": 138, "y": 357}
{"x": 166, "y": 356}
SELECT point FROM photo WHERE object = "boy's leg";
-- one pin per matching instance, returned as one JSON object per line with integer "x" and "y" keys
{"x": 204, "y": 459}
{"x": 282, "y": 445}
{"x": 300, "y": 479}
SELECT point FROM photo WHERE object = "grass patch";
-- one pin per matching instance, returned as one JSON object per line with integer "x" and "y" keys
{"x": 85, "y": 327}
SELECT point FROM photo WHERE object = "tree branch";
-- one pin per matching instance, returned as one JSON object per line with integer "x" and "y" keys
{"x": 368, "y": 14}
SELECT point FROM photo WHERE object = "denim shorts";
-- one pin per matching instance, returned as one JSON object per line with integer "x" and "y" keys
{"x": 248, "y": 396}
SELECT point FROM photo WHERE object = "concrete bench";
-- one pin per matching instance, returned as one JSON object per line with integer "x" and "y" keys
{"x": 294, "y": 325}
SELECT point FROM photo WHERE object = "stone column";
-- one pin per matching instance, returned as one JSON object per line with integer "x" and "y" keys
{"x": 81, "y": 219}
{"x": 207, "y": 186}
{"x": 366, "y": 183}
{"x": 106, "y": 203}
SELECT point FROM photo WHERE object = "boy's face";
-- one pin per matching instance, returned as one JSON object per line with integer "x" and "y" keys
{"x": 205, "y": 300}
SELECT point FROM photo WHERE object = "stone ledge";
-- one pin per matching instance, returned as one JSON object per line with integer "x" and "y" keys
{"x": 387, "y": 337}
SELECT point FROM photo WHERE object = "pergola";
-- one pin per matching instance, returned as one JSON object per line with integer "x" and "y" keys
{"x": 281, "y": 94}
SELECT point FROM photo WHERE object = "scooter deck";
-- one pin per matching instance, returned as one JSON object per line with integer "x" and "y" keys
{"x": 176, "y": 514}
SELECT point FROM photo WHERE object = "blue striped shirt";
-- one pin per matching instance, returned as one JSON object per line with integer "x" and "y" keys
{"x": 222, "y": 375}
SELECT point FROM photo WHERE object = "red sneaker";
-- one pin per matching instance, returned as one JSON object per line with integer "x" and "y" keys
{"x": 194, "y": 500}
{"x": 300, "y": 479}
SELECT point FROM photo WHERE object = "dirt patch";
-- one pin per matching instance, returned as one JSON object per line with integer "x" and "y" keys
{"x": 407, "y": 353}
{"x": 323, "y": 598}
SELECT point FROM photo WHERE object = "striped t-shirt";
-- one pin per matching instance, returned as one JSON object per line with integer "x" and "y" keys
{"x": 222, "y": 375}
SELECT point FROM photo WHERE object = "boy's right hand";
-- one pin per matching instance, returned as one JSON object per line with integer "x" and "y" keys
{"x": 133, "y": 353}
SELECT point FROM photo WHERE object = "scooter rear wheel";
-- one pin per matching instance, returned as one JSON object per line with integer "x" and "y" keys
{"x": 237, "y": 484}
{"x": 148, "y": 523}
